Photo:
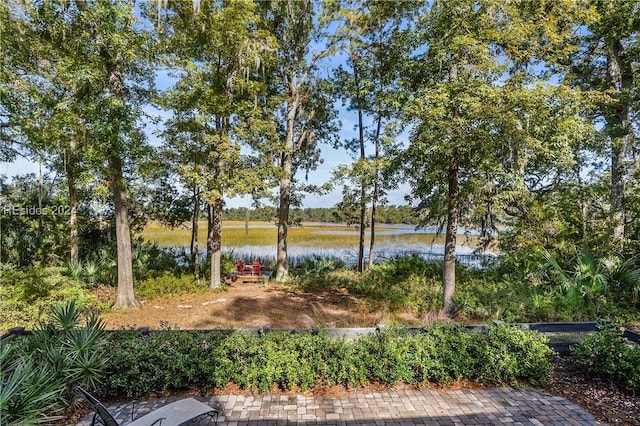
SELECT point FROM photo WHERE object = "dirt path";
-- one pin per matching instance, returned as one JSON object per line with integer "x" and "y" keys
{"x": 250, "y": 306}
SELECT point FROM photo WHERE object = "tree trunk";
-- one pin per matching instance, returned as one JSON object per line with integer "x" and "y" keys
{"x": 620, "y": 78}
{"x": 374, "y": 196}
{"x": 282, "y": 264}
{"x": 618, "y": 211}
{"x": 286, "y": 162}
{"x": 195, "y": 251}
{"x": 73, "y": 215}
{"x": 246, "y": 224}
{"x": 449, "y": 267}
{"x": 363, "y": 201}
{"x": 363, "y": 189}
{"x": 215, "y": 236}
{"x": 40, "y": 186}
{"x": 449, "y": 273}
{"x": 372, "y": 239}
{"x": 125, "y": 298}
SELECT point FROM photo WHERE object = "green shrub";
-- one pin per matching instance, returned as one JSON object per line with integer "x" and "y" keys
{"x": 173, "y": 360}
{"x": 513, "y": 353}
{"x": 607, "y": 355}
{"x": 26, "y": 295}
{"x": 317, "y": 265}
{"x": 149, "y": 260}
{"x": 37, "y": 372}
{"x": 168, "y": 284}
{"x": 402, "y": 282}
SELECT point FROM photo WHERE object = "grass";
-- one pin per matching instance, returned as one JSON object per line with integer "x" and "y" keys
{"x": 265, "y": 233}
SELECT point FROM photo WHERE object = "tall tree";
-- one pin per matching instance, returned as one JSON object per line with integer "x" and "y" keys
{"x": 115, "y": 48}
{"x": 606, "y": 64}
{"x": 354, "y": 87}
{"x": 471, "y": 138}
{"x": 301, "y": 100}
{"x": 42, "y": 102}
{"x": 97, "y": 51}
{"x": 216, "y": 94}
{"x": 450, "y": 141}
{"x": 370, "y": 33}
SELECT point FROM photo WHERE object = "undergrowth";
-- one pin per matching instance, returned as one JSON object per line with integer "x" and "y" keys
{"x": 507, "y": 292}
{"x": 27, "y": 294}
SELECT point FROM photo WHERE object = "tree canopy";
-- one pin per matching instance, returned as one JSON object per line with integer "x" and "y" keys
{"x": 517, "y": 118}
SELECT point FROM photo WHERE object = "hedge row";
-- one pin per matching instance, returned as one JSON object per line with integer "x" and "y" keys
{"x": 174, "y": 360}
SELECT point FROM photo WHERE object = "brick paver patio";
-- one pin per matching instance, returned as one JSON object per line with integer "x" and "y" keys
{"x": 526, "y": 406}
{"x": 497, "y": 406}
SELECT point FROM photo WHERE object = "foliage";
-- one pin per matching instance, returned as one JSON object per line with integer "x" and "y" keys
{"x": 592, "y": 281}
{"x": 38, "y": 372}
{"x": 33, "y": 221}
{"x": 517, "y": 288}
{"x": 172, "y": 360}
{"x": 533, "y": 286}
{"x": 168, "y": 284}
{"x": 317, "y": 266}
{"x": 607, "y": 355}
{"x": 149, "y": 261}
{"x": 27, "y": 294}
{"x": 402, "y": 282}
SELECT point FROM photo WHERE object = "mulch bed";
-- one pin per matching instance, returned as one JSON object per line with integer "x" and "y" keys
{"x": 606, "y": 402}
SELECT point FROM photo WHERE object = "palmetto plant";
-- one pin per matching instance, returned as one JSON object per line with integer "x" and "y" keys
{"x": 38, "y": 372}
{"x": 98, "y": 269}
{"x": 624, "y": 276}
{"x": 91, "y": 272}
{"x": 592, "y": 278}
{"x": 29, "y": 394}
{"x": 74, "y": 270}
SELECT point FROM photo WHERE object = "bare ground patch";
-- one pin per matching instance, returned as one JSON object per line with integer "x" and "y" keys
{"x": 252, "y": 306}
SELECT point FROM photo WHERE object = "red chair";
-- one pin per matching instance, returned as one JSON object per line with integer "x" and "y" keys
{"x": 240, "y": 267}
{"x": 256, "y": 268}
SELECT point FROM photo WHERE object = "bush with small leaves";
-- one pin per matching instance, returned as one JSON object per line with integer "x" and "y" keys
{"x": 607, "y": 355}
{"x": 174, "y": 360}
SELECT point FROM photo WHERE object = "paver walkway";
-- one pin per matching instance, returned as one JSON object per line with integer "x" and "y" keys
{"x": 526, "y": 406}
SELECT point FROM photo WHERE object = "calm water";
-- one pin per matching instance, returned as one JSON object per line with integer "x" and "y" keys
{"x": 389, "y": 248}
